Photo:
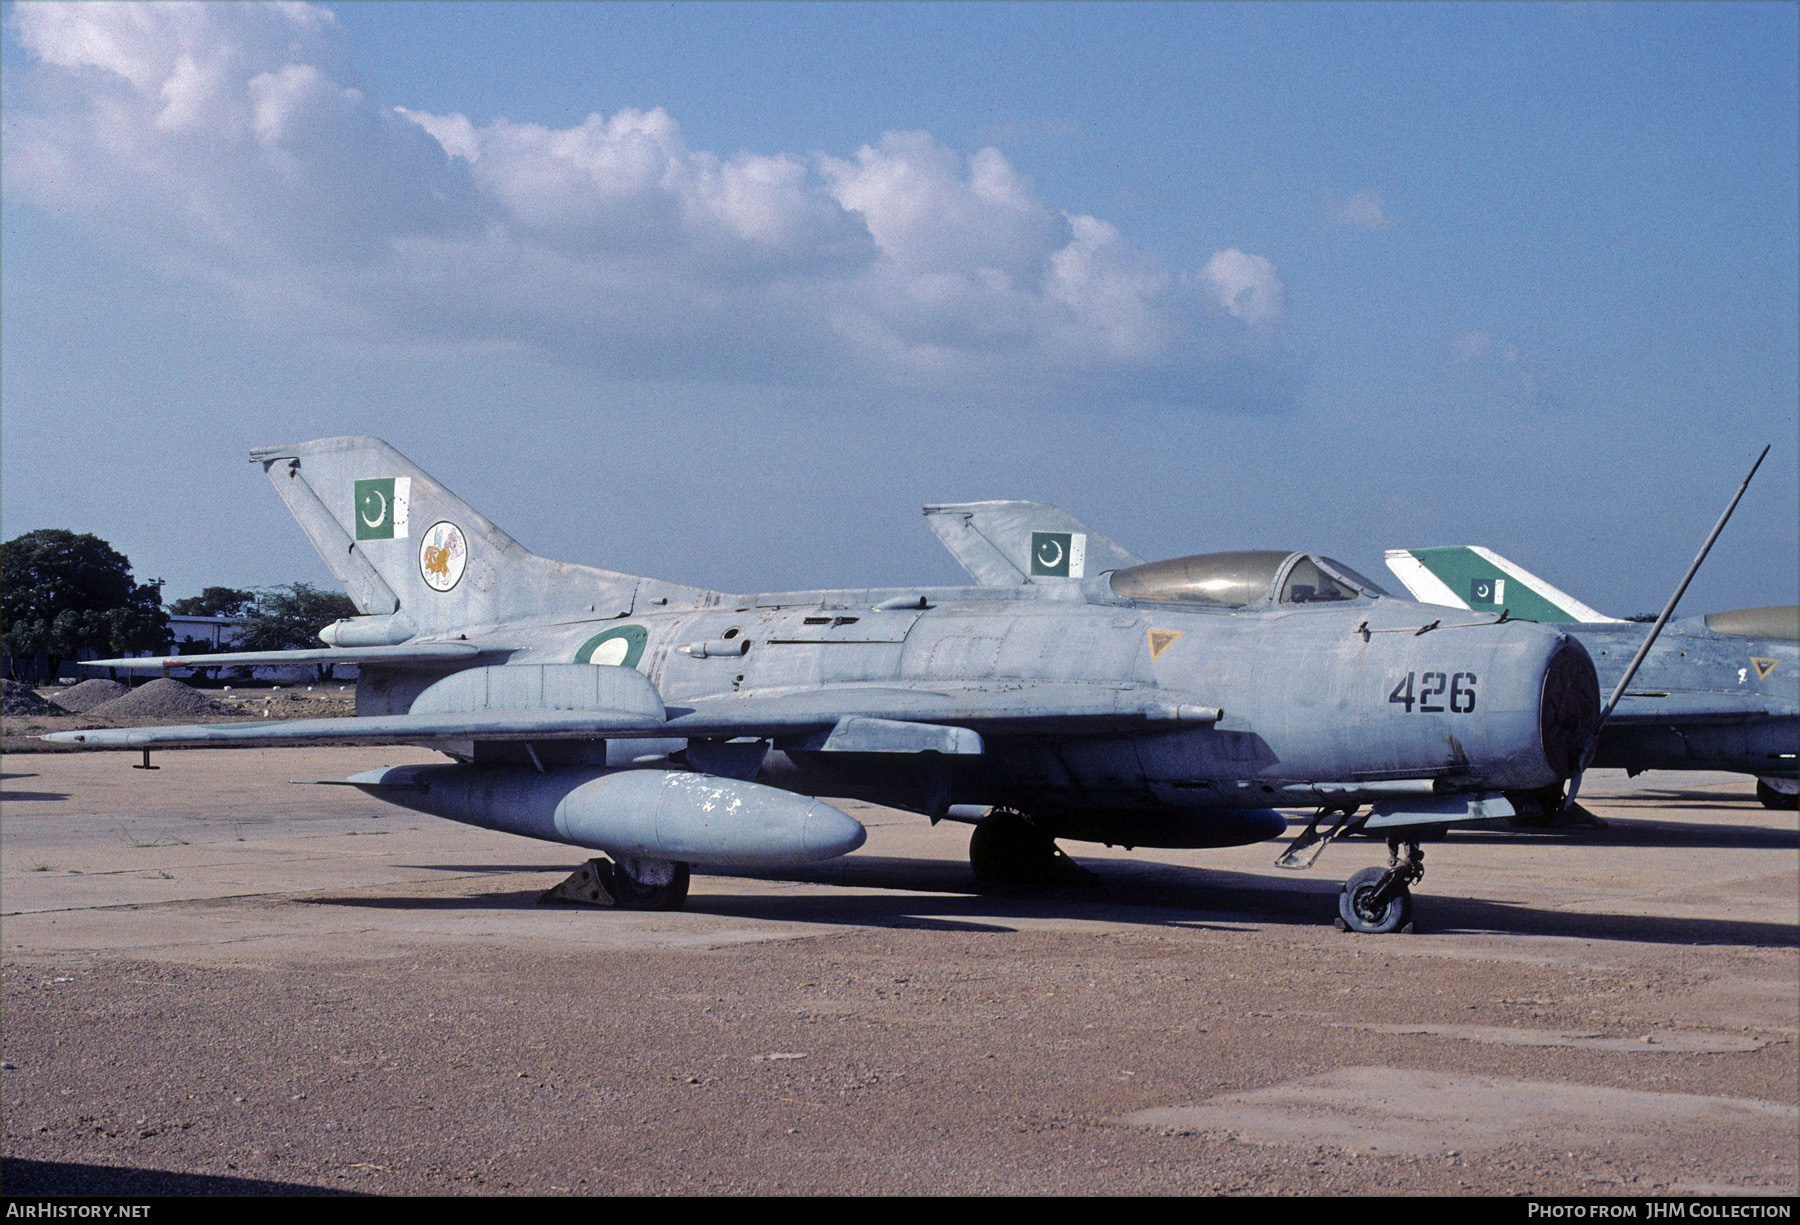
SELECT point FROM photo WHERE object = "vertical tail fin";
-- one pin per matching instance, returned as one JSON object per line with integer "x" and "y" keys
{"x": 1469, "y": 576}
{"x": 1004, "y": 544}
{"x": 414, "y": 555}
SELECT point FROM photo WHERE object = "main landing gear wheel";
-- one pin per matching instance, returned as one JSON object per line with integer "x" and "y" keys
{"x": 1006, "y": 848}
{"x": 1771, "y": 798}
{"x": 649, "y": 884}
{"x": 1361, "y": 908}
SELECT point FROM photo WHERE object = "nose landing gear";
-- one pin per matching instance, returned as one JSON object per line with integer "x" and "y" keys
{"x": 1379, "y": 900}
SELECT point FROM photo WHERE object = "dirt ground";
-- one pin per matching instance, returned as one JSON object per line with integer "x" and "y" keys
{"x": 216, "y": 981}
{"x": 256, "y": 700}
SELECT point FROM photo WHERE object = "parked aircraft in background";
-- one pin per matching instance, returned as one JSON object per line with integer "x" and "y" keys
{"x": 1076, "y": 692}
{"x": 1717, "y": 692}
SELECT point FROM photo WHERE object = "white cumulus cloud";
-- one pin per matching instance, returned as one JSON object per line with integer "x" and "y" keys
{"x": 238, "y": 143}
{"x": 1245, "y": 285}
{"x": 1362, "y": 210}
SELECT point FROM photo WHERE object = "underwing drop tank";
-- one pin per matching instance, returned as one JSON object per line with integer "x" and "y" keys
{"x": 635, "y": 814}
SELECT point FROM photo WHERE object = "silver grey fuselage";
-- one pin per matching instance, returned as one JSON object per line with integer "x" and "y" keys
{"x": 1371, "y": 691}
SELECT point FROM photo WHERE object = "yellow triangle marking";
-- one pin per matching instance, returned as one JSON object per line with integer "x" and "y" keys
{"x": 1162, "y": 640}
{"x": 1763, "y": 667}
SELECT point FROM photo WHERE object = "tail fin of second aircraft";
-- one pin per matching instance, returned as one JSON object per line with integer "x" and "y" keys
{"x": 1004, "y": 544}
{"x": 1469, "y": 576}
{"x": 416, "y": 559}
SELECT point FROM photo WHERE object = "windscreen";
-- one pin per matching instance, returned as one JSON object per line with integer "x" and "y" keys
{"x": 1356, "y": 578}
{"x": 1308, "y": 584}
{"x": 1324, "y": 580}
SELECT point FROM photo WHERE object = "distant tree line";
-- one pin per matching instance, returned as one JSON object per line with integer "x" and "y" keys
{"x": 62, "y": 594}
{"x": 214, "y": 602}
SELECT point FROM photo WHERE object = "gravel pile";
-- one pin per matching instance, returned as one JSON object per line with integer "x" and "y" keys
{"x": 161, "y": 698}
{"x": 22, "y": 699}
{"x": 78, "y": 699}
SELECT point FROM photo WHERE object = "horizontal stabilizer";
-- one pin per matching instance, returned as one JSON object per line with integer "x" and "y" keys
{"x": 1007, "y": 544}
{"x": 1469, "y": 576}
{"x": 396, "y": 656}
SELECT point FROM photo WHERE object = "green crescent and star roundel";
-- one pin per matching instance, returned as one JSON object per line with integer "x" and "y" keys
{"x": 621, "y": 646}
{"x": 381, "y": 507}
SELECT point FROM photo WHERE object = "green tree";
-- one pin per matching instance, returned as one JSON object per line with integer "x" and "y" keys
{"x": 214, "y": 602}
{"x": 290, "y": 618}
{"x": 61, "y": 593}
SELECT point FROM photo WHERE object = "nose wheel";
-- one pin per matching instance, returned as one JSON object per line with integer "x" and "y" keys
{"x": 1379, "y": 900}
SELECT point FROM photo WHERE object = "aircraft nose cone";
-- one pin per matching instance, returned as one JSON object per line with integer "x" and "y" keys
{"x": 829, "y": 833}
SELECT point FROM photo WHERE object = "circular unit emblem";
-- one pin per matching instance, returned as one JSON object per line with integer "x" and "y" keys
{"x": 622, "y": 647}
{"x": 443, "y": 555}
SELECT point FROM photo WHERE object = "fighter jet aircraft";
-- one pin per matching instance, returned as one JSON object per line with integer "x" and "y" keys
{"x": 1075, "y": 692}
{"x": 1718, "y": 692}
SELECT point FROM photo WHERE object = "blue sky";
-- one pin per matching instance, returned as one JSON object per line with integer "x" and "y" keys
{"x": 725, "y": 293}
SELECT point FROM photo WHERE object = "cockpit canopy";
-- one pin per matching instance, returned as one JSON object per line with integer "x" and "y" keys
{"x": 1780, "y": 621}
{"x": 1233, "y": 580}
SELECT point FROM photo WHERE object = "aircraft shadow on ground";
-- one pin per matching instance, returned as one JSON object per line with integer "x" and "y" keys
{"x": 23, "y": 1177}
{"x": 1665, "y": 797}
{"x": 1143, "y": 894}
{"x": 9, "y": 796}
{"x": 488, "y": 869}
{"x": 1623, "y": 831}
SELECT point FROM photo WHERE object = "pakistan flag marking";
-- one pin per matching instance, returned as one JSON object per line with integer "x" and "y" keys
{"x": 381, "y": 507}
{"x": 1058, "y": 554}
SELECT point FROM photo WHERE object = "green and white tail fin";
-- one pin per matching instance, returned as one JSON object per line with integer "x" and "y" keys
{"x": 1469, "y": 576}
{"x": 418, "y": 560}
{"x": 1005, "y": 544}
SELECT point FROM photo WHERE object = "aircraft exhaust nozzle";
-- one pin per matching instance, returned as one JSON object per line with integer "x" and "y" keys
{"x": 645, "y": 814}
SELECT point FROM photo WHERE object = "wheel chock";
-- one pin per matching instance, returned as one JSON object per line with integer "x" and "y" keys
{"x": 588, "y": 885}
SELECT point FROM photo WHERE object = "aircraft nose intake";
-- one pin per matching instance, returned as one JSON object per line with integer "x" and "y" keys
{"x": 1569, "y": 709}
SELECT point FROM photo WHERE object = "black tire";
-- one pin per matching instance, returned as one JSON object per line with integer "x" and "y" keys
{"x": 631, "y": 894}
{"x": 1772, "y": 798}
{"x": 1008, "y": 849}
{"x": 1359, "y": 916}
